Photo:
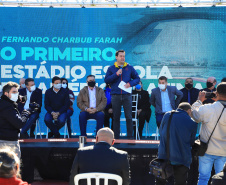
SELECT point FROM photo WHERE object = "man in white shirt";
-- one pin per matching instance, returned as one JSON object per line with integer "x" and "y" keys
{"x": 92, "y": 101}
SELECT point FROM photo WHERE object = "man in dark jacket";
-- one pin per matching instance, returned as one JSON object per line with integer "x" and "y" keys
{"x": 101, "y": 157}
{"x": 143, "y": 107}
{"x": 210, "y": 87}
{"x": 56, "y": 103}
{"x": 121, "y": 71}
{"x": 190, "y": 94}
{"x": 11, "y": 121}
{"x": 33, "y": 95}
{"x": 182, "y": 136}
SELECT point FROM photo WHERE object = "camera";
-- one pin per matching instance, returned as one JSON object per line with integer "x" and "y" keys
{"x": 33, "y": 107}
{"x": 210, "y": 95}
{"x": 23, "y": 99}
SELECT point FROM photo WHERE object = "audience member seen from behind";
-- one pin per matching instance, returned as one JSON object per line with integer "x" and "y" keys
{"x": 219, "y": 178}
{"x": 223, "y": 80}
{"x": 10, "y": 168}
{"x": 121, "y": 71}
{"x": 108, "y": 111}
{"x": 33, "y": 97}
{"x": 70, "y": 111}
{"x": 163, "y": 99}
{"x": 182, "y": 136}
{"x": 11, "y": 121}
{"x": 103, "y": 158}
{"x": 22, "y": 83}
{"x": 56, "y": 103}
{"x": 208, "y": 115}
{"x": 190, "y": 94}
{"x": 91, "y": 101}
{"x": 143, "y": 107}
{"x": 210, "y": 87}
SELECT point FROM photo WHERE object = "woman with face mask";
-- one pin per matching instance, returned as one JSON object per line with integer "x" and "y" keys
{"x": 70, "y": 111}
{"x": 143, "y": 108}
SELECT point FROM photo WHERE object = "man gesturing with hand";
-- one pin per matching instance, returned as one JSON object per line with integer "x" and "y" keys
{"x": 92, "y": 101}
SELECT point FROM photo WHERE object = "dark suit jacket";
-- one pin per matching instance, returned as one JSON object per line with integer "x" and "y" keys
{"x": 36, "y": 97}
{"x": 156, "y": 99}
{"x": 101, "y": 158}
{"x": 194, "y": 93}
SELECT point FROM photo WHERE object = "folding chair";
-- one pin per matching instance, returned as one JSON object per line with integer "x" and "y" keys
{"x": 97, "y": 177}
{"x": 37, "y": 126}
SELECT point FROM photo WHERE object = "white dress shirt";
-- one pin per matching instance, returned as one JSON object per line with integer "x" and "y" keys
{"x": 166, "y": 106}
{"x": 92, "y": 97}
{"x": 26, "y": 106}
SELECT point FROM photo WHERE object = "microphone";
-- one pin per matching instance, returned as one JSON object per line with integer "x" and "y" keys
{"x": 120, "y": 67}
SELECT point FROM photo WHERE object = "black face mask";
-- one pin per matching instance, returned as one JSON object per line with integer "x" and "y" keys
{"x": 189, "y": 86}
{"x": 91, "y": 84}
{"x": 209, "y": 84}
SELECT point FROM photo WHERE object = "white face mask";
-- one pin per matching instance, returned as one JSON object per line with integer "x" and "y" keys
{"x": 14, "y": 97}
{"x": 64, "y": 86}
{"x": 0, "y": 88}
{"x": 57, "y": 86}
{"x": 23, "y": 85}
{"x": 32, "y": 88}
{"x": 162, "y": 86}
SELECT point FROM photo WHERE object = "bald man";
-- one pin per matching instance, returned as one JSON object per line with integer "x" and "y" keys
{"x": 22, "y": 83}
{"x": 210, "y": 87}
{"x": 101, "y": 157}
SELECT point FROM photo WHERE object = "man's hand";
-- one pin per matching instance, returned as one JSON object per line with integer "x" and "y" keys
{"x": 89, "y": 110}
{"x": 202, "y": 95}
{"x": 110, "y": 111}
{"x": 127, "y": 85}
{"x": 119, "y": 72}
{"x": 139, "y": 111}
{"x": 93, "y": 110}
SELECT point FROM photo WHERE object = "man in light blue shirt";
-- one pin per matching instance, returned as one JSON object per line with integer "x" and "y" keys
{"x": 163, "y": 99}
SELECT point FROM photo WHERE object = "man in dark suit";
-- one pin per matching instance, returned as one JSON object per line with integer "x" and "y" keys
{"x": 101, "y": 157}
{"x": 190, "y": 94}
{"x": 33, "y": 94}
{"x": 210, "y": 87}
{"x": 163, "y": 99}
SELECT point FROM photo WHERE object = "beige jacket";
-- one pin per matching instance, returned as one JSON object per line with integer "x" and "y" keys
{"x": 83, "y": 99}
{"x": 208, "y": 114}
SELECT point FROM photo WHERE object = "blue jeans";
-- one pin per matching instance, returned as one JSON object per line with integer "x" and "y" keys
{"x": 69, "y": 114}
{"x": 57, "y": 125}
{"x": 32, "y": 119}
{"x": 159, "y": 119}
{"x": 205, "y": 167}
{"x": 84, "y": 116}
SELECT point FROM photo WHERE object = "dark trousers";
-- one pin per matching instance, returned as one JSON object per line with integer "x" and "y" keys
{"x": 117, "y": 102}
{"x": 32, "y": 119}
{"x": 107, "y": 117}
{"x": 69, "y": 114}
{"x": 180, "y": 176}
{"x": 84, "y": 116}
{"x": 159, "y": 119}
{"x": 143, "y": 116}
{"x": 57, "y": 125}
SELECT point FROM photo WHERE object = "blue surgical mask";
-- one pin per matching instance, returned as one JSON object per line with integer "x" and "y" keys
{"x": 138, "y": 86}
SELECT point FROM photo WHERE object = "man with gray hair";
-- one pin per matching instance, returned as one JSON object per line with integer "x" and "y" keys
{"x": 101, "y": 157}
{"x": 210, "y": 87}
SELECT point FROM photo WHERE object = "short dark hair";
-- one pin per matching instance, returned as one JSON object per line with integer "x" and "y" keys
{"x": 62, "y": 79}
{"x": 29, "y": 80}
{"x": 163, "y": 78}
{"x": 90, "y": 76}
{"x": 223, "y": 79}
{"x": 189, "y": 78}
{"x": 9, "y": 162}
{"x": 184, "y": 106}
{"x": 55, "y": 78}
{"x": 7, "y": 87}
{"x": 116, "y": 54}
{"x": 221, "y": 89}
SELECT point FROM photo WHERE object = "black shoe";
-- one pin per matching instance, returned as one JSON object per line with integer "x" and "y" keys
{"x": 24, "y": 136}
{"x": 32, "y": 135}
{"x": 57, "y": 136}
{"x": 50, "y": 134}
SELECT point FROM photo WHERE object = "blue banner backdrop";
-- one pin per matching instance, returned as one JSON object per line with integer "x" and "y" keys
{"x": 75, "y": 42}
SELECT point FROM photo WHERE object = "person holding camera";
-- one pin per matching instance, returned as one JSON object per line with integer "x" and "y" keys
{"x": 32, "y": 101}
{"x": 11, "y": 121}
{"x": 210, "y": 87}
{"x": 213, "y": 119}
